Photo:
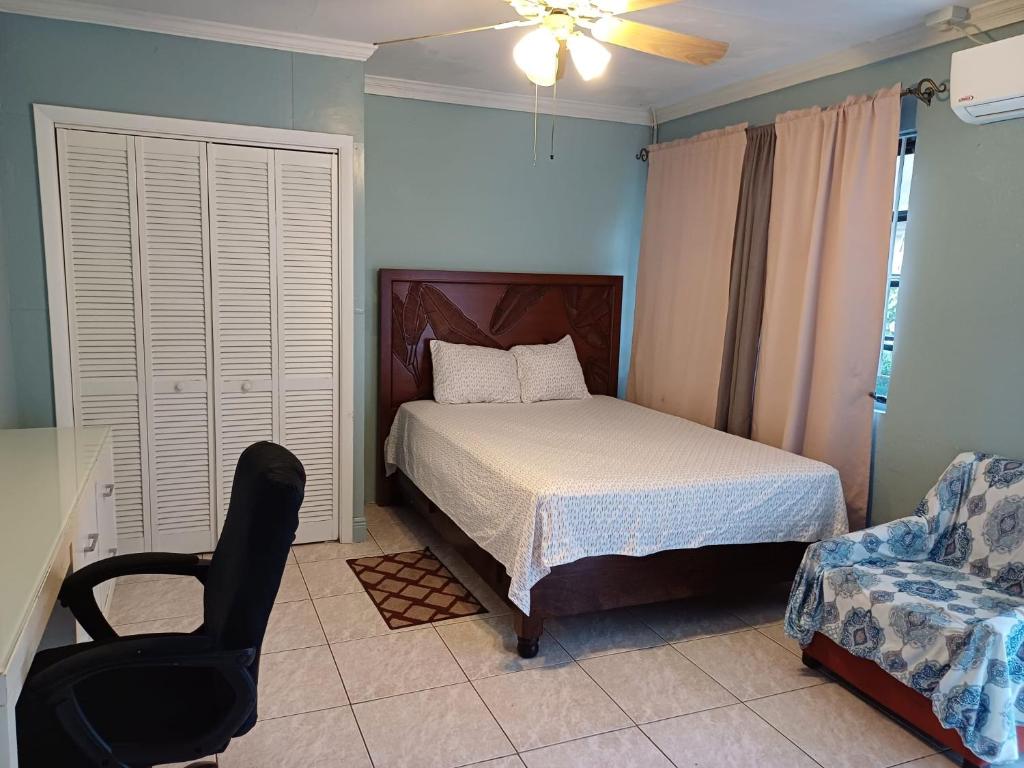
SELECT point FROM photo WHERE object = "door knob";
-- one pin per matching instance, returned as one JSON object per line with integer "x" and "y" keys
{"x": 246, "y": 386}
{"x": 179, "y": 386}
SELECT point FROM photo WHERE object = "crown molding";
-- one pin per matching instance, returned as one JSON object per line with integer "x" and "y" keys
{"x": 988, "y": 15}
{"x": 476, "y": 97}
{"x": 72, "y": 10}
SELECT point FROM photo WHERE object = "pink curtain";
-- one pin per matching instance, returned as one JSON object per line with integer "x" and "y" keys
{"x": 683, "y": 277}
{"x": 828, "y": 250}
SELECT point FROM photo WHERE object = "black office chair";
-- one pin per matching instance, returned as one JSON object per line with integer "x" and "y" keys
{"x": 135, "y": 702}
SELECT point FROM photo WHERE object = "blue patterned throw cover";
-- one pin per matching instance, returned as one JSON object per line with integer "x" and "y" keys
{"x": 935, "y": 599}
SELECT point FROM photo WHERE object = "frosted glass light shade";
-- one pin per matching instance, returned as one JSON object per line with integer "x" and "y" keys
{"x": 537, "y": 55}
{"x": 590, "y": 57}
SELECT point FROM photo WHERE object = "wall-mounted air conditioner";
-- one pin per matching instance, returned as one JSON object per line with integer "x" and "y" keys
{"x": 987, "y": 82}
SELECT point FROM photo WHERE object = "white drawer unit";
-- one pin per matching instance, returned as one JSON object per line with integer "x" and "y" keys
{"x": 57, "y": 515}
{"x": 96, "y": 527}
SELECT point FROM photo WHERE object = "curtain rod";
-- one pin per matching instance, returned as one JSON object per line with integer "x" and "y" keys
{"x": 924, "y": 91}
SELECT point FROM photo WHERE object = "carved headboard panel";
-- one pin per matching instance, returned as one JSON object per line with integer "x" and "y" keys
{"x": 490, "y": 309}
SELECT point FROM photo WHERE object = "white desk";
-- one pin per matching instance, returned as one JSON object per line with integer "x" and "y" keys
{"x": 56, "y": 513}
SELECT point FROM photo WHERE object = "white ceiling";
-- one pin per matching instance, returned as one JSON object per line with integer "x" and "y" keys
{"x": 765, "y": 36}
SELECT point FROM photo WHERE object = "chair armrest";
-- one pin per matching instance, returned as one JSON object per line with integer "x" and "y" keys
{"x": 54, "y": 687}
{"x": 906, "y": 539}
{"x": 76, "y": 593}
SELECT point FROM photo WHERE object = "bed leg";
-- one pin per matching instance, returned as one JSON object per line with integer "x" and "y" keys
{"x": 529, "y": 630}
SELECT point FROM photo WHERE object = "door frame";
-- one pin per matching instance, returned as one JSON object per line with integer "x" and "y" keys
{"x": 48, "y": 118}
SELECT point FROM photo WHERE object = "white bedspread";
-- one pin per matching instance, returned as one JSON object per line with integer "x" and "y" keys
{"x": 542, "y": 484}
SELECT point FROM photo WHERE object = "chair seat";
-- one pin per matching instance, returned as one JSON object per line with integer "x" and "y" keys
{"x": 125, "y": 707}
{"x": 918, "y": 620}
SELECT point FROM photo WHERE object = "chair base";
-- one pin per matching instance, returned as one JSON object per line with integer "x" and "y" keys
{"x": 889, "y": 694}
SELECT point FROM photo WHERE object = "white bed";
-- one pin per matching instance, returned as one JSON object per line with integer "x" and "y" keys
{"x": 543, "y": 484}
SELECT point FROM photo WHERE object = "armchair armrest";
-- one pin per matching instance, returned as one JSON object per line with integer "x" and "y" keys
{"x": 54, "y": 689}
{"x": 76, "y": 593}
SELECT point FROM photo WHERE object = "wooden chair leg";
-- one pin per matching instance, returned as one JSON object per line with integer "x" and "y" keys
{"x": 529, "y": 630}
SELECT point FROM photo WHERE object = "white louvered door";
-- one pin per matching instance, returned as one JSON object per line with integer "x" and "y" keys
{"x": 174, "y": 238}
{"x": 204, "y": 306}
{"x": 99, "y": 218}
{"x": 307, "y": 274}
{"x": 244, "y": 303}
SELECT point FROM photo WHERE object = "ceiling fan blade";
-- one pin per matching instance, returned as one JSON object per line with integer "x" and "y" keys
{"x": 503, "y": 25}
{"x": 659, "y": 42}
{"x": 628, "y": 6}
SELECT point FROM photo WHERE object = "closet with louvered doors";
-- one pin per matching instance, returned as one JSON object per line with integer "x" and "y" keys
{"x": 203, "y": 305}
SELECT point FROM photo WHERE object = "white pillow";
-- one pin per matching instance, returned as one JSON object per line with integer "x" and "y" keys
{"x": 550, "y": 372}
{"x": 467, "y": 374}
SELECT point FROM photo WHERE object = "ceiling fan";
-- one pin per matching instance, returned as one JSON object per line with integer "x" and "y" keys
{"x": 541, "y": 54}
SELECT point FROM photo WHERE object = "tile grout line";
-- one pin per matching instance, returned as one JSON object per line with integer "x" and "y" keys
{"x": 497, "y": 722}
{"x": 341, "y": 678}
{"x": 584, "y": 738}
{"x": 621, "y": 709}
{"x": 798, "y": 747}
{"x": 755, "y": 698}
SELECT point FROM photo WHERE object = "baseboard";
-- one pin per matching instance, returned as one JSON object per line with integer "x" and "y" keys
{"x": 359, "y": 530}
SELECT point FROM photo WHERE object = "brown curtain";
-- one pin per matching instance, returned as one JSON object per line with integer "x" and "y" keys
{"x": 683, "y": 276}
{"x": 746, "y": 284}
{"x": 828, "y": 249}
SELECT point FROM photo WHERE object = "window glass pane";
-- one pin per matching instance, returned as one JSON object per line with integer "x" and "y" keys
{"x": 897, "y": 247}
{"x": 884, "y": 371}
{"x": 908, "y": 175}
{"x": 891, "y": 300}
{"x": 899, "y": 233}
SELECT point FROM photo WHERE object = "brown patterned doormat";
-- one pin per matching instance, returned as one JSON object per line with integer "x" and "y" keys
{"x": 411, "y": 588}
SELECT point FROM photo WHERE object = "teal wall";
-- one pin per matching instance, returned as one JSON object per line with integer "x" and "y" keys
{"x": 82, "y": 65}
{"x": 8, "y": 387}
{"x": 958, "y": 367}
{"x": 451, "y": 187}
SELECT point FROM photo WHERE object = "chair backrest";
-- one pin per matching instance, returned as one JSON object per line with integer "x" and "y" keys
{"x": 978, "y": 509}
{"x": 247, "y": 565}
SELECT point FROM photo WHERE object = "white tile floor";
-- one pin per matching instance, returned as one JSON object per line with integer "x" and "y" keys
{"x": 710, "y": 683}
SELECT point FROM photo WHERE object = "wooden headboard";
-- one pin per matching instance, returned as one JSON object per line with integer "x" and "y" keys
{"x": 493, "y": 309}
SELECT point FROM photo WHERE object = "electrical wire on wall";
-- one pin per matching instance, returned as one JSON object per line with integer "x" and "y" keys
{"x": 962, "y": 26}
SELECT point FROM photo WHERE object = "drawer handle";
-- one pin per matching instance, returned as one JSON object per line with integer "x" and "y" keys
{"x": 246, "y": 386}
{"x": 94, "y": 539}
{"x": 179, "y": 386}
{"x": 108, "y": 490}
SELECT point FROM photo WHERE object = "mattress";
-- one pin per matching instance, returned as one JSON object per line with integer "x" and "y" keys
{"x": 543, "y": 484}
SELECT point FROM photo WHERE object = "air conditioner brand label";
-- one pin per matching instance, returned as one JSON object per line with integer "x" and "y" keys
{"x": 965, "y": 98}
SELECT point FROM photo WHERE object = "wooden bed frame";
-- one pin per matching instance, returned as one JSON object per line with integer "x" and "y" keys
{"x": 501, "y": 310}
{"x": 888, "y": 693}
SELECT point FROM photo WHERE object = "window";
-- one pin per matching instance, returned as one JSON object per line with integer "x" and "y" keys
{"x": 901, "y": 205}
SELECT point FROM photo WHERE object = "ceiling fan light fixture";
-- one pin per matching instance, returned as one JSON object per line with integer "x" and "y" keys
{"x": 590, "y": 57}
{"x": 605, "y": 27}
{"x": 537, "y": 55}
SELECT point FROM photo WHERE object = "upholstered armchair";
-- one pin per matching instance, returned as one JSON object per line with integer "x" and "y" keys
{"x": 935, "y": 601}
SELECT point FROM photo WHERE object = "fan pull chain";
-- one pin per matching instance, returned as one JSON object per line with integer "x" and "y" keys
{"x": 536, "y": 109}
{"x": 554, "y": 116}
